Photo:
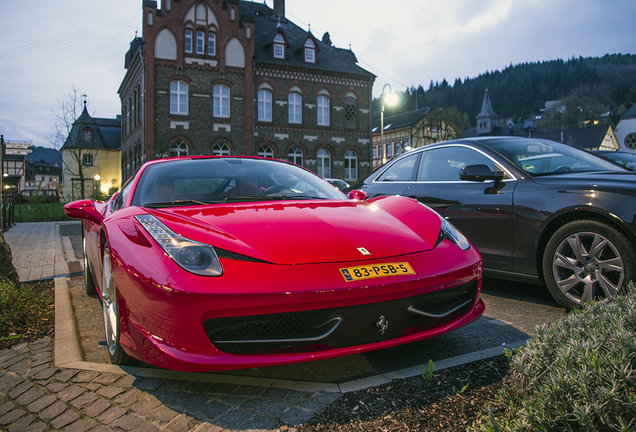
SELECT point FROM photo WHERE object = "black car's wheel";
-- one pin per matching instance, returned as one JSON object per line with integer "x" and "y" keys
{"x": 110, "y": 309}
{"x": 89, "y": 283}
{"x": 587, "y": 260}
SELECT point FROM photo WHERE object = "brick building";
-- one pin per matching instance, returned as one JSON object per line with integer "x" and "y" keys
{"x": 237, "y": 77}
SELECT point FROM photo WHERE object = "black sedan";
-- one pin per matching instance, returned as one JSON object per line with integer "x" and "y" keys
{"x": 538, "y": 211}
{"x": 622, "y": 158}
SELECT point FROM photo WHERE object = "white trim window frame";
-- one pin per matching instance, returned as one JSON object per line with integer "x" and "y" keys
{"x": 264, "y": 105}
{"x": 324, "y": 163}
{"x": 295, "y": 108}
{"x": 200, "y": 42}
{"x": 322, "y": 111}
{"x": 295, "y": 156}
{"x": 279, "y": 47}
{"x": 188, "y": 41}
{"x": 310, "y": 51}
{"x": 212, "y": 44}
{"x": 221, "y": 149}
{"x": 351, "y": 166}
{"x": 178, "y": 98}
{"x": 221, "y": 101}
{"x": 266, "y": 152}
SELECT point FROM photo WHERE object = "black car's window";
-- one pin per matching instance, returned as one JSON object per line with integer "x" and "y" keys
{"x": 119, "y": 200}
{"x": 218, "y": 180}
{"x": 402, "y": 170}
{"x": 444, "y": 164}
{"x": 543, "y": 157}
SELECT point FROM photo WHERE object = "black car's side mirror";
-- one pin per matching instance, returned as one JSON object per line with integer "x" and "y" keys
{"x": 480, "y": 173}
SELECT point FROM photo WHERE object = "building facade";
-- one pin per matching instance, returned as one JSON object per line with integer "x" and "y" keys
{"x": 232, "y": 77}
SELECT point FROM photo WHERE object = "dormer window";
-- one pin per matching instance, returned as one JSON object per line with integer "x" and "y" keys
{"x": 279, "y": 46}
{"x": 310, "y": 51}
{"x": 88, "y": 134}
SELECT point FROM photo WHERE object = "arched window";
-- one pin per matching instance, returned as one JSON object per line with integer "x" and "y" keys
{"x": 295, "y": 156}
{"x": 324, "y": 163}
{"x": 295, "y": 107}
{"x": 178, "y": 98}
{"x": 323, "y": 111}
{"x": 351, "y": 110}
{"x": 351, "y": 165}
{"x": 266, "y": 151}
{"x": 221, "y": 149}
{"x": 221, "y": 101}
{"x": 264, "y": 105}
{"x": 178, "y": 148}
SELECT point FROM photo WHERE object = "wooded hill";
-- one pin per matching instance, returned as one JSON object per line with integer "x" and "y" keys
{"x": 520, "y": 92}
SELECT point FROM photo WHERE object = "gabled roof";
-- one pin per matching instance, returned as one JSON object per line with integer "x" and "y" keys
{"x": 105, "y": 133}
{"x": 328, "y": 57}
{"x": 399, "y": 121}
{"x": 630, "y": 114}
{"x": 587, "y": 138}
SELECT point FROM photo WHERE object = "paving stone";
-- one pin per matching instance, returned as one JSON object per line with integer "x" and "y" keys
{"x": 213, "y": 409}
{"x": 97, "y": 407}
{"x": 80, "y": 425}
{"x": 36, "y": 427}
{"x": 41, "y": 403}
{"x": 173, "y": 385}
{"x": 23, "y": 348}
{"x": 110, "y": 415}
{"x": 270, "y": 408}
{"x": 194, "y": 402}
{"x": 197, "y": 387}
{"x": 56, "y": 387}
{"x": 11, "y": 361}
{"x": 46, "y": 374}
{"x": 259, "y": 423}
{"x": 11, "y": 416}
{"x": 66, "y": 375}
{"x": 325, "y": 397}
{"x": 149, "y": 383}
{"x": 29, "y": 396}
{"x": 65, "y": 419}
{"x": 129, "y": 398}
{"x": 249, "y": 391}
{"x": 234, "y": 418}
{"x": 6, "y": 407}
{"x": 36, "y": 370}
{"x": 21, "y": 424}
{"x": 146, "y": 427}
{"x": 90, "y": 386}
{"x": 110, "y": 392}
{"x": 127, "y": 422}
{"x": 70, "y": 393}
{"x": 182, "y": 423}
{"x": 20, "y": 389}
{"x": 20, "y": 368}
{"x": 106, "y": 378}
{"x": 223, "y": 388}
{"x": 41, "y": 358}
{"x": 53, "y": 411}
{"x": 85, "y": 376}
{"x": 9, "y": 381}
{"x": 207, "y": 427}
{"x": 145, "y": 406}
{"x": 84, "y": 400}
{"x": 296, "y": 416}
{"x": 126, "y": 381}
{"x": 6, "y": 354}
{"x": 162, "y": 415}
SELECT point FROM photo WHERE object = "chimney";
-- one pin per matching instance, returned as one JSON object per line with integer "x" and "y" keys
{"x": 279, "y": 9}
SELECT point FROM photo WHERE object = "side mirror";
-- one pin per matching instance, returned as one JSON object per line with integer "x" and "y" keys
{"x": 358, "y": 195}
{"x": 480, "y": 173}
{"x": 83, "y": 209}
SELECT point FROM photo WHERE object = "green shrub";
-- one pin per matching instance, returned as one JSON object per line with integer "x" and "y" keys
{"x": 576, "y": 375}
{"x": 24, "y": 306}
{"x": 40, "y": 212}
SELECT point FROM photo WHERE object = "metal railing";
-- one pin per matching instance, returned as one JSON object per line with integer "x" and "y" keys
{"x": 8, "y": 212}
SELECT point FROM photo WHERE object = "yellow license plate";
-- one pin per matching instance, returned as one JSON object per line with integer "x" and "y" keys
{"x": 376, "y": 270}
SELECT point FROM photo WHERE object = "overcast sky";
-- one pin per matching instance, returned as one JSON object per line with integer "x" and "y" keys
{"x": 47, "y": 48}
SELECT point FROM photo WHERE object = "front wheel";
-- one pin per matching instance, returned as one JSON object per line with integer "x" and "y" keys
{"x": 110, "y": 309}
{"x": 587, "y": 260}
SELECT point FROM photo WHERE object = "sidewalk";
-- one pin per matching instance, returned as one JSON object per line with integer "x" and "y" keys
{"x": 47, "y": 385}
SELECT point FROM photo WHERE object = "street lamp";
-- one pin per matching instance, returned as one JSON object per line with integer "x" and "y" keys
{"x": 389, "y": 99}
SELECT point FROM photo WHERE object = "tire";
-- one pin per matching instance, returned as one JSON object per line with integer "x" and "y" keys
{"x": 89, "y": 283}
{"x": 110, "y": 309}
{"x": 587, "y": 260}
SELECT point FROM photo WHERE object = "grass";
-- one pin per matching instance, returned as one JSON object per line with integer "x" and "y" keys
{"x": 27, "y": 312}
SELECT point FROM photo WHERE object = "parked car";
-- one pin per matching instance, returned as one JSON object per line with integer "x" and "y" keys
{"x": 537, "y": 210}
{"x": 339, "y": 183}
{"x": 625, "y": 159}
{"x": 210, "y": 263}
{"x": 41, "y": 195}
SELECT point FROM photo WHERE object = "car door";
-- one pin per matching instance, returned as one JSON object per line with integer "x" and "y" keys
{"x": 395, "y": 179}
{"x": 482, "y": 210}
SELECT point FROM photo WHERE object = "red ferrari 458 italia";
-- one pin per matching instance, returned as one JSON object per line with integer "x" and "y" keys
{"x": 213, "y": 263}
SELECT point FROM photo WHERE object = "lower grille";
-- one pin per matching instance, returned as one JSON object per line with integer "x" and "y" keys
{"x": 339, "y": 327}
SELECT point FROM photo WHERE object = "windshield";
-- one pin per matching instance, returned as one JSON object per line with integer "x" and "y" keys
{"x": 543, "y": 157}
{"x": 221, "y": 180}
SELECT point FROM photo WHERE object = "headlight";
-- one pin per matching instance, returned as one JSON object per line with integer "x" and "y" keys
{"x": 449, "y": 232}
{"x": 197, "y": 258}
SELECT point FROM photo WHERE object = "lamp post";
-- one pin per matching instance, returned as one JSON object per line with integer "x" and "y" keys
{"x": 390, "y": 99}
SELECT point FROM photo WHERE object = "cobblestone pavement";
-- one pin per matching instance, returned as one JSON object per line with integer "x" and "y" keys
{"x": 37, "y": 396}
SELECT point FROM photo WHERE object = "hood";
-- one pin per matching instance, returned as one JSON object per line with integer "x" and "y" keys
{"x": 304, "y": 232}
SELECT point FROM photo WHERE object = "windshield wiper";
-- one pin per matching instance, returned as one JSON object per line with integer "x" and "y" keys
{"x": 174, "y": 203}
{"x": 269, "y": 198}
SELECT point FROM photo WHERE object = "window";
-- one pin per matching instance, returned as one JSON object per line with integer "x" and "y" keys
{"x": 398, "y": 149}
{"x": 402, "y": 170}
{"x": 389, "y": 150}
{"x": 323, "y": 111}
{"x": 351, "y": 111}
{"x": 324, "y": 163}
{"x": 212, "y": 44}
{"x": 178, "y": 98}
{"x": 295, "y": 103}
{"x": 310, "y": 51}
{"x": 295, "y": 156}
{"x": 264, "y": 106}
{"x": 200, "y": 42}
{"x": 221, "y": 149}
{"x": 351, "y": 166}
{"x": 188, "y": 41}
{"x": 279, "y": 46}
{"x": 178, "y": 148}
{"x": 221, "y": 101}
{"x": 444, "y": 164}
{"x": 87, "y": 159}
{"x": 88, "y": 134}
{"x": 266, "y": 151}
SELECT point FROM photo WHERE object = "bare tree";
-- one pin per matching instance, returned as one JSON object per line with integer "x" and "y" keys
{"x": 66, "y": 134}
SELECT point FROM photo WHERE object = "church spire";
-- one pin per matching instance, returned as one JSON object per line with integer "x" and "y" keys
{"x": 487, "y": 118}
